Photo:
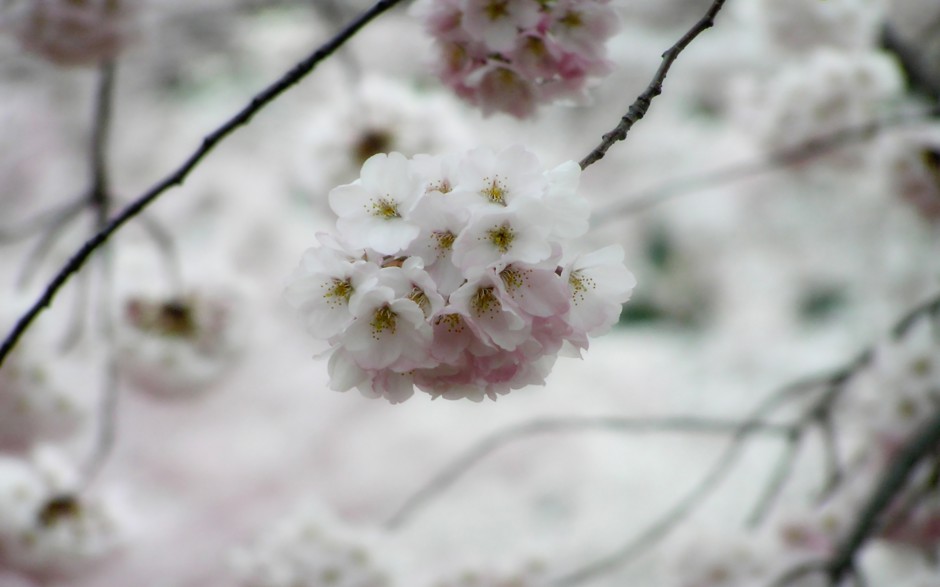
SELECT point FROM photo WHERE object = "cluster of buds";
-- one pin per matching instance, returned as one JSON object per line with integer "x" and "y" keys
{"x": 454, "y": 274}
{"x": 511, "y": 55}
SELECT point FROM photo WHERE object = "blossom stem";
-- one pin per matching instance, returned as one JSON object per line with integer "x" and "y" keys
{"x": 642, "y": 103}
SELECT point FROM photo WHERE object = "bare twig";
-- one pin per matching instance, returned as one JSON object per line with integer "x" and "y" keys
{"x": 209, "y": 142}
{"x": 488, "y": 445}
{"x": 800, "y": 153}
{"x": 642, "y": 103}
{"x": 663, "y": 525}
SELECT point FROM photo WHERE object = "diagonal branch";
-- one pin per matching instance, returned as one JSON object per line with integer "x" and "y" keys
{"x": 642, "y": 103}
{"x": 209, "y": 142}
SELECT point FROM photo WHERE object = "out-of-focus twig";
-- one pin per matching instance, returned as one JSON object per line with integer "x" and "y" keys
{"x": 801, "y": 153}
{"x": 490, "y": 444}
{"x": 642, "y": 103}
{"x": 209, "y": 142}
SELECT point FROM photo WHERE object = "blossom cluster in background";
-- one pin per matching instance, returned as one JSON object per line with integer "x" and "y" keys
{"x": 456, "y": 274}
{"x": 69, "y": 32}
{"x": 512, "y": 55}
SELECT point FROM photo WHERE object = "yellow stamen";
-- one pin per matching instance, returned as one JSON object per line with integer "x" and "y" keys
{"x": 384, "y": 319}
{"x": 502, "y": 237}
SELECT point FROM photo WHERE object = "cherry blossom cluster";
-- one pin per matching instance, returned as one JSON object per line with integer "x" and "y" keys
{"x": 816, "y": 96}
{"x": 455, "y": 274}
{"x": 511, "y": 55}
{"x": 801, "y": 26}
{"x": 70, "y": 32}
{"x": 177, "y": 346}
{"x": 46, "y": 530}
{"x": 308, "y": 549}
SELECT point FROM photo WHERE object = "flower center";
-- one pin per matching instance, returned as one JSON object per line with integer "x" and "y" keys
{"x": 453, "y": 323}
{"x": 384, "y": 319}
{"x": 484, "y": 301}
{"x": 494, "y": 192}
{"x": 501, "y": 237}
{"x": 339, "y": 292}
{"x": 496, "y": 9}
{"x": 579, "y": 286}
{"x": 443, "y": 186}
{"x": 385, "y": 208}
{"x": 513, "y": 278}
{"x": 571, "y": 19}
{"x": 445, "y": 241}
{"x": 420, "y": 298}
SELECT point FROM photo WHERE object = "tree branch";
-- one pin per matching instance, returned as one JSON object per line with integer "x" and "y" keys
{"x": 209, "y": 142}
{"x": 642, "y": 103}
{"x": 646, "y": 199}
{"x": 490, "y": 444}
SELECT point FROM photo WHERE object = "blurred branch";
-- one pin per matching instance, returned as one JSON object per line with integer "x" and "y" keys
{"x": 923, "y": 443}
{"x": 661, "y": 528}
{"x": 800, "y": 153}
{"x": 209, "y": 142}
{"x": 490, "y": 444}
{"x": 642, "y": 103}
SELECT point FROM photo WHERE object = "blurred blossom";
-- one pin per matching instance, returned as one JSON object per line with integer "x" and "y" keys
{"x": 70, "y": 32}
{"x": 801, "y": 26}
{"x": 513, "y": 55}
{"x": 177, "y": 346}
{"x": 47, "y": 530}
{"x": 815, "y": 96}
{"x": 311, "y": 548}
{"x": 34, "y": 406}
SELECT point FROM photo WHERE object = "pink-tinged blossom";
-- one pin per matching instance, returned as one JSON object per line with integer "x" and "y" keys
{"x": 323, "y": 284}
{"x": 598, "y": 284}
{"x": 536, "y": 291}
{"x": 495, "y": 181}
{"x": 486, "y": 313}
{"x": 501, "y": 237}
{"x": 389, "y": 330}
{"x": 582, "y": 27}
{"x": 513, "y": 55}
{"x": 475, "y": 304}
{"x": 373, "y": 210}
{"x": 497, "y": 22}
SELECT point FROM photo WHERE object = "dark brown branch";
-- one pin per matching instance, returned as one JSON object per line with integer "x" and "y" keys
{"x": 488, "y": 445}
{"x": 921, "y": 445}
{"x": 209, "y": 142}
{"x": 642, "y": 103}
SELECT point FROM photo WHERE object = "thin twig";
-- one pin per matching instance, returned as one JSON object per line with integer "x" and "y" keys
{"x": 663, "y": 525}
{"x": 642, "y": 103}
{"x": 483, "y": 448}
{"x": 209, "y": 142}
{"x": 778, "y": 478}
{"x": 800, "y": 153}
{"x": 27, "y": 228}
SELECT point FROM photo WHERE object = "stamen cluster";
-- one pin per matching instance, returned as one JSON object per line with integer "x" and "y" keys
{"x": 511, "y": 55}
{"x": 450, "y": 273}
